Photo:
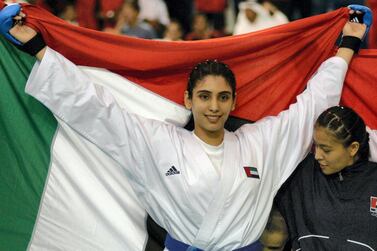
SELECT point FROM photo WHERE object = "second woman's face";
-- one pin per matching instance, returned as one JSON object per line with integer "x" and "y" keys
{"x": 211, "y": 103}
{"x": 330, "y": 152}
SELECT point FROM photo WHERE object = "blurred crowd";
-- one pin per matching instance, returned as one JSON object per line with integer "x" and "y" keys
{"x": 187, "y": 19}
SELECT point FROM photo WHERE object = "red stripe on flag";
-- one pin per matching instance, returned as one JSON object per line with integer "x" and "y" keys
{"x": 163, "y": 67}
{"x": 247, "y": 171}
{"x": 373, "y": 202}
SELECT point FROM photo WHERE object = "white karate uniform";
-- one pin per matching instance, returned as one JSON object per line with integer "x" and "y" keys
{"x": 167, "y": 167}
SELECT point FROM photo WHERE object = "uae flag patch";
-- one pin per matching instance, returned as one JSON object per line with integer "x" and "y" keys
{"x": 251, "y": 172}
{"x": 373, "y": 205}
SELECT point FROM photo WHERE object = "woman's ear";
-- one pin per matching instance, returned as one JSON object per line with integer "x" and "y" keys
{"x": 188, "y": 100}
{"x": 353, "y": 148}
{"x": 234, "y": 102}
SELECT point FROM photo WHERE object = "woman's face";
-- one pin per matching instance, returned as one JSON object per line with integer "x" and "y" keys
{"x": 331, "y": 154}
{"x": 211, "y": 103}
{"x": 173, "y": 32}
{"x": 129, "y": 13}
{"x": 200, "y": 23}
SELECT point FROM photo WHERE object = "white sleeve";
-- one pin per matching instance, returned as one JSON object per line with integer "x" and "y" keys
{"x": 372, "y": 144}
{"x": 91, "y": 110}
{"x": 287, "y": 138}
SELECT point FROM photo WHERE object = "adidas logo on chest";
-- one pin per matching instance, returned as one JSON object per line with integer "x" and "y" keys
{"x": 172, "y": 171}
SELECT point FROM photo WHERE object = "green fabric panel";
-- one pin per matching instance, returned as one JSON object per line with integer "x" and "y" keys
{"x": 26, "y": 133}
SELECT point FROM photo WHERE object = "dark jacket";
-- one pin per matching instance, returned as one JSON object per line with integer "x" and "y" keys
{"x": 335, "y": 212}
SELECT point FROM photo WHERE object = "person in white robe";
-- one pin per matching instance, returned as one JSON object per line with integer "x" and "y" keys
{"x": 254, "y": 16}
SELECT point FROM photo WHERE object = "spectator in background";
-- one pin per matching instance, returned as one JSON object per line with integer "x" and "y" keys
{"x": 214, "y": 10}
{"x": 201, "y": 29}
{"x": 155, "y": 13}
{"x": 236, "y": 4}
{"x": 128, "y": 22}
{"x": 65, "y": 9}
{"x": 182, "y": 11}
{"x": 92, "y": 14}
{"x": 69, "y": 14}
{"x": 173, "y": 31}
{"x": 254, "y": 16}
{"x": 275, "y": 235}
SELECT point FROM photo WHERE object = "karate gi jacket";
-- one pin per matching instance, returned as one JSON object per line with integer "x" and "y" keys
{"x": 169, "y": 171}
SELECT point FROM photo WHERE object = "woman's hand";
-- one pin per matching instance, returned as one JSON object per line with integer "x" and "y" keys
{"x": 22, "y": 32}
{"x": 354, "y": 29}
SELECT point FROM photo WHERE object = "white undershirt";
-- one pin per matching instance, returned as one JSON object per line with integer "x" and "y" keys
{"x": 215, "y": 153}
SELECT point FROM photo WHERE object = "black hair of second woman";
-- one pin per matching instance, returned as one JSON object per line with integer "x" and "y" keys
{"x": 214, "y": 68}
{"x": 347, "y": 126}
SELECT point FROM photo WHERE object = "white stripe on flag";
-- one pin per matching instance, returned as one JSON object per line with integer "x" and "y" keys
{"x": 88, "y": 203}
{"x": 138, "y": 99}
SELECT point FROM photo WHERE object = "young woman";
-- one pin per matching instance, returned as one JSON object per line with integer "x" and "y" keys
{"x": 330, "y": 202}
{"x": 210, "y": 189}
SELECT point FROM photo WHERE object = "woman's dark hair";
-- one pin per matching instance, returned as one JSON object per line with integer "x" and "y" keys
{"x": 211, "y": 67}
{"x": 347, "y": 126}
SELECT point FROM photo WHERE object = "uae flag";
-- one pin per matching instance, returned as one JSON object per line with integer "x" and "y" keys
{"x": 251, "y": 172}
{"x": 60, "y": 192}
{"x": 373, "y": 204}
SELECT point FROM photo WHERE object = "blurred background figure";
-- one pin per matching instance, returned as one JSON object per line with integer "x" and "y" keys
{"x": 182, "y": 11}
{"x": 128, "y": 22}
{"x": 105, "y": 12}
{"x": 254, "y": 16}
{"x": 236, "y": 4}
{"x": 92, "y": 14}
{"x": 155, "y": 13}
{"x": 173, "y": 31}
{"x": 201, "y": 29}
{"x": 69, "y": 13}
{"x": 108, "y": 15}
{"x": 275, "y": 235}
{"x": 65, "y": 9}
{"x": 214, "y": 11}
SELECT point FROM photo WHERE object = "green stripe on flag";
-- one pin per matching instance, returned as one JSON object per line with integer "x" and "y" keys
{"x": 26, "y": 132}
{"x": 254, "y": 169}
